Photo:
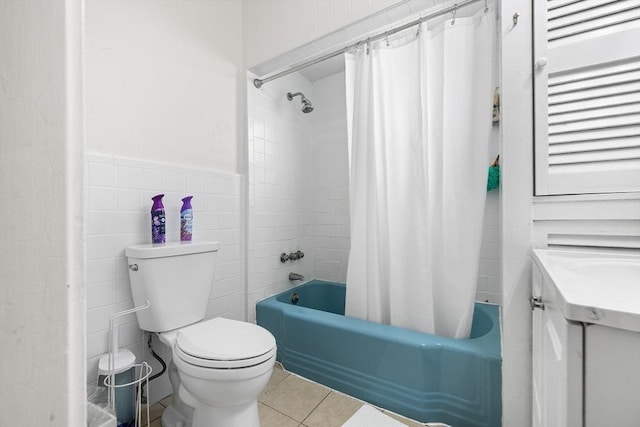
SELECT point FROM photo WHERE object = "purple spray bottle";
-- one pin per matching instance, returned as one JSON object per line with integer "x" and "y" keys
{"x": 157, "y": 220}
{"x": 186, "y": 220}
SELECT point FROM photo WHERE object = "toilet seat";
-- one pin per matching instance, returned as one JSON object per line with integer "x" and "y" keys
{"x": 224, "y": 344}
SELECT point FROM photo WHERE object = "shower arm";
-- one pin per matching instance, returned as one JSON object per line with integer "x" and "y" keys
{"x": 290, "y": 96}
{"x": 259, "y": 82}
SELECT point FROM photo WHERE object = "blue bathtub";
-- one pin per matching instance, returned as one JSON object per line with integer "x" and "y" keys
{"x": 421, "y": 376}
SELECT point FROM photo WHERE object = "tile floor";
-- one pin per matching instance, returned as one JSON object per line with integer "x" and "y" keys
{"x": 292, "y": 401}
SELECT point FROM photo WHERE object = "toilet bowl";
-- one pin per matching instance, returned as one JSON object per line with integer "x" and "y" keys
{"x": 219, "y": 366}
{"x": 222, "y": 365}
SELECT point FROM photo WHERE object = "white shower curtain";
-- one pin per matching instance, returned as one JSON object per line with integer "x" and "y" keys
{"x": 419, "y": 121}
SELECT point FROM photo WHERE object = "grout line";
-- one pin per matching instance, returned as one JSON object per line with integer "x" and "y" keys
{"x": 316, "y": 407}
{"x": 281, "y": 413}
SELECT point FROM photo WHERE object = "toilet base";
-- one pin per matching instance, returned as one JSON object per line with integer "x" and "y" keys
{"x": 206, "y": 416}
{"x": 235, "y": 416}
{"x": 171, "y": 417}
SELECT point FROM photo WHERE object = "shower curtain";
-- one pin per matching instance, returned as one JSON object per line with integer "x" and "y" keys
{"x": 419, "y": 122}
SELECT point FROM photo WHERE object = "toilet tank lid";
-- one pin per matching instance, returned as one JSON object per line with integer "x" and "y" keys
{"x": 157, "y": 250}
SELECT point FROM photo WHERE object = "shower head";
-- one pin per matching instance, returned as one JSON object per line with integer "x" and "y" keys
{"x": 307, "y": 107}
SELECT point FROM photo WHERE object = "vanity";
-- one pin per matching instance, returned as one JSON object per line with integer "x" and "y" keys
{"x": 586, "y": 339}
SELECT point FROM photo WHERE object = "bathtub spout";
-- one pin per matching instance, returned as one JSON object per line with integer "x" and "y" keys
{"x": 296, "y": 276}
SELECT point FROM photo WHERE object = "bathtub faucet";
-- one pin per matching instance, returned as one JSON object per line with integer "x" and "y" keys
{"x": 296, "y": 276}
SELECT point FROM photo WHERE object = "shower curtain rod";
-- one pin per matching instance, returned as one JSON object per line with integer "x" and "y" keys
{"x": 451, "y": 9}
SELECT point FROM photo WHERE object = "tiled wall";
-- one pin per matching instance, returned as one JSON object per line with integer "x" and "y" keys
{"x": 314, "y": 157}
{"x": 118, "y": 193}
{"x": 489, "y": 286}
{"x": 279, "y": 161}
{"x": 330, "y": 206}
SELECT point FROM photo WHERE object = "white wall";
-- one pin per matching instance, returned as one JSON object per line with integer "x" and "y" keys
{"x": 272, "y": 27}
{"x": 164, "y": 114}
{"x": 41, "y": 268}
{"x": 164, "y": 81}
{"x": 516, "y": 193}
{"x": 119, "y": 195}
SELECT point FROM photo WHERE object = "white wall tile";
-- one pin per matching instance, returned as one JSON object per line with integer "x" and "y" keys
{"x": 174, "y": 182}
{"x": 103, "y": 246}
{"x": 194, "y": 184}
{"x": 102, "y": 199}
{"x": 129, "y": 199}
{"x": 101, "y": 223}
{"x": 97, "y": 345}
{"x": 129, "y": 177}
{"x": 331, "y": 181}
{"x": 102, "y": 175}
{"x": 101, "y": 294}
{"x": 118, "y": 216}
{"x": 280, "y": 173}
{"x": 101, "y": 270}
{"x": 153, "y": 180}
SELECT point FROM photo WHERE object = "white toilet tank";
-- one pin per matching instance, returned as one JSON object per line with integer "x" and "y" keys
{"x": 176, "y": 278}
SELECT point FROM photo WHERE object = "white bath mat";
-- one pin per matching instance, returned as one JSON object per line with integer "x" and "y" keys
{"x": 368, "y": 416}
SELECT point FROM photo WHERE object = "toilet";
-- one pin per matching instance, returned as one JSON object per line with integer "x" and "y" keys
{"x": 219, "y": 365}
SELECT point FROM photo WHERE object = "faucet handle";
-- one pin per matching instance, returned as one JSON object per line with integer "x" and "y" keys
{"x": 300, "y": 254}
{"x": 284, "y": 257}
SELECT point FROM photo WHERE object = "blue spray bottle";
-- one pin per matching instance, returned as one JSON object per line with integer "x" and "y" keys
{"x": 186, "y": 220}
{"x": 157, "y": 220}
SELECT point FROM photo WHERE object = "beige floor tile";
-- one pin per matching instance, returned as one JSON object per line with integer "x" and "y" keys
{"x": 334, "y": 411}
{"x": 295, "y": 397}
{"x": 155, "y": 412}
{"x": 269, "y": 417}
{"x": 156, "y": 423}
{"x": 167, "y": 401}
{"x": 406, "y": 421}
{"x": 277, "y": 376}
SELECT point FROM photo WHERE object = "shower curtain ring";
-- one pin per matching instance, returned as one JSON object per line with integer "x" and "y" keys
{"x": 386, "y": 38}
{"x": 486, "y": 6}
{"x": 453, "y": 18}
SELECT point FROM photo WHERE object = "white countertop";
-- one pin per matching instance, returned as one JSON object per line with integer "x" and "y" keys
{"x": 594, "y": 287}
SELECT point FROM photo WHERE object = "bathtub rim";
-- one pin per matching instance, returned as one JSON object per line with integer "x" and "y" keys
{"x": 488, "y": 344}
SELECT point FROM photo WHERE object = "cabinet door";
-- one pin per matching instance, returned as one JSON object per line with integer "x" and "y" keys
{"x": 557, "y": 362}
{"x": 538, "y": 404}
{"x": 587, "y": 96}
{"x": 612, "y": 377}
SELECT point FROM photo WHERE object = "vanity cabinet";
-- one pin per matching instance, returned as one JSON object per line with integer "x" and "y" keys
{"x": 557, "y": 361}
{"x": 586, "y": 348}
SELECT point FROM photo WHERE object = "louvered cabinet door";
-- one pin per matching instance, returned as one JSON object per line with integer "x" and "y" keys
{"x": 587, "y": 96}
